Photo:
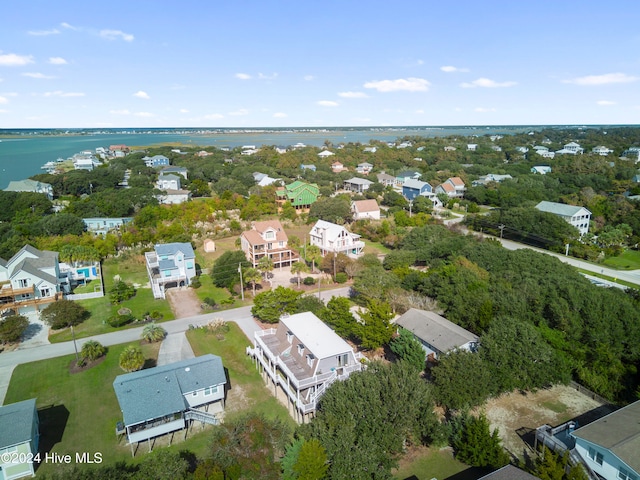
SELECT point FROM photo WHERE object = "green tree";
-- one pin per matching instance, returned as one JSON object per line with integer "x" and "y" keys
{"x": 163, "y": 465}
{"x": 338, "y": 316}
{"x": 298, "y": 268}
{"x": 312, "y": 461}
{"x": 153, "y": 333}
{"x": 288, "y": 211}
{"x": 121, "y": 291}
{"x": 270, "y": 306}
{"x": 12, "y": 328}
{"x": 331, "y": 209}
{"x": 408, "y": 349}
{"x": 313, "y": 255}
{"x": 63, "y": 314}
{"x": 131, "y": 359}
{"x": 475, "y": 445}
{"x": 225, "y": 272}
{"x": 92, "y": 350}
{"x": 290, "y": 458}
{"x": 376, "y": 329}
{"x": 253, "y": 276}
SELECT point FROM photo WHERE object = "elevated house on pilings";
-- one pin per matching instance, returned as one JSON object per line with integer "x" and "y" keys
{"x": 303, "y": 357}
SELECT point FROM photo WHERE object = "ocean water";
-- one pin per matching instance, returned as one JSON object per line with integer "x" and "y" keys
{"x": 21, "y": 156}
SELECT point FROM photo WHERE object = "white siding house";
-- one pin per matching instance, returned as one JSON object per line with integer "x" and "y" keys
{"x": 332, "y": 238}
{"x": 577, "y": 216}
{"x": 170, "y": 264}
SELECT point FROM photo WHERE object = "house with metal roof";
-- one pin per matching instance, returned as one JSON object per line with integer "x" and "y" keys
{"x": 163, "y": 399}
{"x": 437, "y": 334}
{"x": 32, "y": 186}
{"x": 541, "y": 169}
{"x": 156, "y": 161}
{"x": 30, "y": 280}
{"x": 176, "y": 171}
{"x": 610, "y": 446}
{"x": 575, "y": 215}
{"x": 334, "y": 239}
{"x": 357, "y": 185}
{"x": 303, "y": 356}
{"x": 19, "y": 439}
{"x": 170, "y": 265}
{"x": 365, "y": 209}
{"x": 267, "y": 239}
{"x": 300, "y": 194}
{"x": 169, "y": 181}
{"x": 412, "y": 188}
{"x": 509, "y": 472}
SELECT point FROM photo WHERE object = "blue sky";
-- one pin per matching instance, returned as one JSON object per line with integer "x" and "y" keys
{"x": 247, "y": 63}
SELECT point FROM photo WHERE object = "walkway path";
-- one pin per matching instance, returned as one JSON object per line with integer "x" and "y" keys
{"x": 174, "y": 347}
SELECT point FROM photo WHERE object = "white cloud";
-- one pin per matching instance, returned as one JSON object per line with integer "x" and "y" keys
{"x": 410, "y": 84}
{"x": 262, "y": 76}
{"x": 70, "y": 27}
{"x": 487, "y": 83}
{"x": 116, "y": 34}
{"x": 120, "y": 112}
{"x": 280, "y": 115}
{"x": 60, "y": 93}
{"x": 484, "y": 110}
{"x": 184, "y": 110}
{"x": 308, "y": 78}
{"x": 38, "y": 75}
{"x": 420, "y": 111}
{"x": 4, "y": 100}
{"x": 452, "y": 69}
{"x": 239, "y": 112}
{"x": 57, "y": 61}
{"x": 605, "y": 103}
{"x": 243, "y": 76}
{"x": 213, "y": 116}
{"x": 353, "y": 95}
{"x": 43, "y": 33}
{"x": 13, "y": 60}
{"x": 142, "y": 94}
{"x": 3, "y": 111}
{"x": 591, "y": 80}
{"x": 144, "y": 114}
{"x": 327, "y": 103}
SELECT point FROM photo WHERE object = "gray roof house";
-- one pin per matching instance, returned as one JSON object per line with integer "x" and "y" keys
{"x": 29, "y": 185}
{"x": 19, "y": 437}
{"x": 509, "y": 472}
{"x": 437, "y": 334}
{"x": 357, "y": 185}
{"x": 304, "y": 356}
{"x": 610, "y": 446}
{"x": 577, "y": 216}
{"x": 170, "y": 264}
{"x": 164, "y": 399}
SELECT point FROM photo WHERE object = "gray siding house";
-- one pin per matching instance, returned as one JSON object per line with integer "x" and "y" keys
{"x": 19, "y": 438}
{"x": 170, "y": 265}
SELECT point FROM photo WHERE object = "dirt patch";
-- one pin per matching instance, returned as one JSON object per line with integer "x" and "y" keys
{"x": 236, "y": 400}
{"x": 184, "y": 302}
{"x": 75, "y": 368}
{"x": 516, "y": 415}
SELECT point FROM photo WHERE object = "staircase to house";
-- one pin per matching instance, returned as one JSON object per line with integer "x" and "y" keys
{"x": 201, "y": 416}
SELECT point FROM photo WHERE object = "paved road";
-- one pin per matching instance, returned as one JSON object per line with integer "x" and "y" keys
{"x": 242, "y": 316}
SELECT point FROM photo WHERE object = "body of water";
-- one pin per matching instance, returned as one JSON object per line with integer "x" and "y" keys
{"x": 22, "y": 154}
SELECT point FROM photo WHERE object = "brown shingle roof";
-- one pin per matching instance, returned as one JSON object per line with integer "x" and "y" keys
{"x": 366, "y": 206}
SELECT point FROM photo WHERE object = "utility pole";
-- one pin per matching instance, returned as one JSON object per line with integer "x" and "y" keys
{"x": 410, "y": 206}
{"x": 334, "y": 266}
{"x": 241, "y": 284}
{"x": 75, "y": 347}
{"x": 501, "y": 227}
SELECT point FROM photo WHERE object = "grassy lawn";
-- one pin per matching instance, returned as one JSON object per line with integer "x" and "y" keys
{"x": 426, "y": 463}
{"x": 628, "y": 260}
{"x": 248, "y": 390}
{"x": 208, "y": 289}
{"x": 375, "y": 247}
{"x": 78, "y": 412}
{"x": 132, "y": 270}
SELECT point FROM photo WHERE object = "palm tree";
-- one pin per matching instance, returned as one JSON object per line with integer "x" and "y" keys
{"x": 313, "y": 255}
{"x": 299, "y": 267}
{"x": 252, "y": 275}
{"x": 265, "y": 265}
{"x": 131, "y": 359}
{"x": 92, "y": 350}
{"x": 153, "y": 333}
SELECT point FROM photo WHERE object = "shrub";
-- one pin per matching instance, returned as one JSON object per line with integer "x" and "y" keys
{"x": 341, "y": 277}
{"x": 120, "y": 320}
{"x": 195, "y": 282}
{"x": 131, "y": 359}
{"x": 210, "y": 301}
{"x": 309, "y": 281}
{"x": 156, "y": 315}
{"x": 153, "y": 333}
{"x": 12, "y": 328}
{"x": 121, "y": 291}
{"x": 92, "y": 350}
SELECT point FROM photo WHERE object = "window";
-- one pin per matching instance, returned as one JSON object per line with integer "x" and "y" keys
{"x": 310, "y": 359}
{"x": 189, "y": 264}
{"x": 289, "y": 337}
{"x": 269, "y": 235}
{"x": 624, "y": 474}
{"x": 595, "y": 455}
{"x": 300, "y": 348}
{"x": 45, "y": 292}
{"x": 343, "y": 360}
{"x": 211, "y": 390}
{"x": 23, "y": 282}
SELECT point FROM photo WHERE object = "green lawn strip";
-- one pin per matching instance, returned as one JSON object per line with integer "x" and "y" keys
{"x": 434, "y": 463}
{"x": 78, "y": 412}
{"x": 243, "y": 374}
{"x": 375, "y": 247}
{"x": 607, "y": 277}
{"x": 627, "y": 260}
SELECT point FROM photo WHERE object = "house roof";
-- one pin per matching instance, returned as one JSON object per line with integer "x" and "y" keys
{"x": 409, "y": 173}
{"x": 560, "y": 208}
{"x": 173, "y": 248}
{"x": 437, "y": 331}
{"x": 618, "y": 432}
{"x": 34, "y": 263}
{"x": 365, "y": 165}
{"x": 456, "y": 181}
{"x": 325, "y": 153}
{"x": 16, "y": 422}
{"x": 366, "y": 206}
{"x": 159, "y": 391}
{"x": 415, "y": 184}
{"x": 315, "y": 335}
{"x": 509, "y": 472}
{"x": 447, "y": 187}
{"x": 385, "y": 176}
{"x": 359, "y": 181}
{"x": 254, "y": 236}
{"x": 169, "y": 176}
{"x": 332, "y": 231}
{"x": 27, "y": 185}
{"x": 300, "y": 193}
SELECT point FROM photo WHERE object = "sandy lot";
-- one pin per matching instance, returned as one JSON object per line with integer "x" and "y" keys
{"x": 517, "y": 415}
{"x": 184, "y": 302}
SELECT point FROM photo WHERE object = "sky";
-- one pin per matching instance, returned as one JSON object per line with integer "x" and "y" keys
{"x": 188, "y": 63}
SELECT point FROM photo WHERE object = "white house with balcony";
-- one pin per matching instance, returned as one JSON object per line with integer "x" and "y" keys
{"x": 303, "y": 356}
{"x": 170, "y": 265}
{"x": 571, "y": 148}
{"x": 577, "y": 216}
{"x": 332, "y": 238}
